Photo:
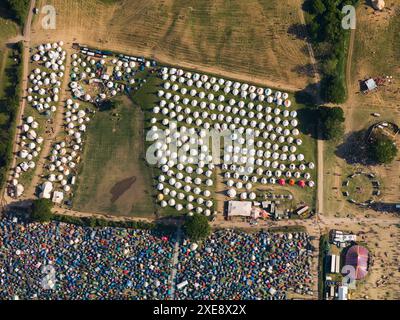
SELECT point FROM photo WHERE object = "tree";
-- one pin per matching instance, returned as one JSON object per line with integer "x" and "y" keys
{"x": 108, "y": 105}
{"x": 19, "y": 9}
{"x": 382, "y": 149}
{"x": 313, "y": 28}
{"x": 4, "y": 119}
{"x": 318, "y": 7}
{"x": 197, "y": 227}
{"x": 329, "y": 66}
{"x": 331, "y": 120}
{"x": 333, "y": 89}
{"x": 41, "y": 210}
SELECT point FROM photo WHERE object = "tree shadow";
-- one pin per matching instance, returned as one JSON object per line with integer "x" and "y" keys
{"x": 354, "y": 149}
{"x": 385, "y": 207}
{"x": 307, "y": 70}
{"x": 308, "y": 122}
{"x": 20, "y": 209}
{"x": 5, "y": 11}
{"x": 308, "y": 95}
{"x": 308, "y": 116}
{"x": 307, "y": 6}
{"x": 298, "y": 30}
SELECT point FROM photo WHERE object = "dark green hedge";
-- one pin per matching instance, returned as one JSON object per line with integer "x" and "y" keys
{"x": 18, "y": 9}
{"x": 99, "y": 222}
{"x": 8, "y": 110}
{"x": 329, "y": 38}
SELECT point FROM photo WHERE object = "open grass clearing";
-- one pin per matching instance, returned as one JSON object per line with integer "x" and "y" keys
{"x": 114, "y": 177}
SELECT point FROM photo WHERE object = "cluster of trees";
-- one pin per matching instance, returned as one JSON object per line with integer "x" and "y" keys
{"x": 196, "y": 227}
{"x": 382, "y": 149}
{"x": 328, "y": 35}
{"x": 331, "y": 122}
{"x": 108, "y": 105}
{"x": 19, "y": 10}
{"x": 8, "y": 109}
{"x": 41, "y": 210}
{"x": 101, "y": 223}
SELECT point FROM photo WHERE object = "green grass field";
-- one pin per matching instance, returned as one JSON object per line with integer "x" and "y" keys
{"x": 360, "y": 188}
{"x": 113, "y": 154}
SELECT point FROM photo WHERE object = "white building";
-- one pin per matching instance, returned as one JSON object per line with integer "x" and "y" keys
{"x": 343, "y": 292}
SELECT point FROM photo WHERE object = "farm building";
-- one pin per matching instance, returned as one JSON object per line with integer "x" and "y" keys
{"x": 369, "y": 85}
{"x": 357, "y": 256}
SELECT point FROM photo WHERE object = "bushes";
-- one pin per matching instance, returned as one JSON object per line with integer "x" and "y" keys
{"x": 318, "y": 7}
{"x": 196, "y": 227}
{"x": 19, "y": 10}
{"x": 326, "y": 28}
{"x": 41, "y": 210}
{"x": 382, "y": 149}
{"x": 94, "y": 222}
{"x": 324, "y": 249}
{"x": 331, "y": 119}
{"x": 8, "y": 110}
{"x": 108, "y": 105}
{"x": 333, "y": 89}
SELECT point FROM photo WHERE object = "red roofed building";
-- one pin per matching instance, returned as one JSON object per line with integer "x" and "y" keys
{"x": 357, "y": 256}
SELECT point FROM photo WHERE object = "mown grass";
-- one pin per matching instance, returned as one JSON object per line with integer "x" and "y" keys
{"x": 114, "y": 151}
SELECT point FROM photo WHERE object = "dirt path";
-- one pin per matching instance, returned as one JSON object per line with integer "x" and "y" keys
{"x": 26, "y": 37}
{"x": 81, "y": 214}
{"x": 56, "y": 128}
{"x": 175, "y": 261}
{"x": 349, "y": 103}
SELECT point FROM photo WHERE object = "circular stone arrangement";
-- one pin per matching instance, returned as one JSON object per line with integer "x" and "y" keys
{"x": 361, "y": 188}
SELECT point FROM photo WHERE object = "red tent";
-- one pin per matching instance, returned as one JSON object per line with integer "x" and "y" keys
{"x": 281, "y": 182}
{"x": 357, "y": 256}
{"x": 302, "y": 183}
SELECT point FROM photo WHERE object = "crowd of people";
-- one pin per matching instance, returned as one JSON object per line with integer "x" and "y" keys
{"x": 63, "y": 261}
{"x": 237, "y": 265}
